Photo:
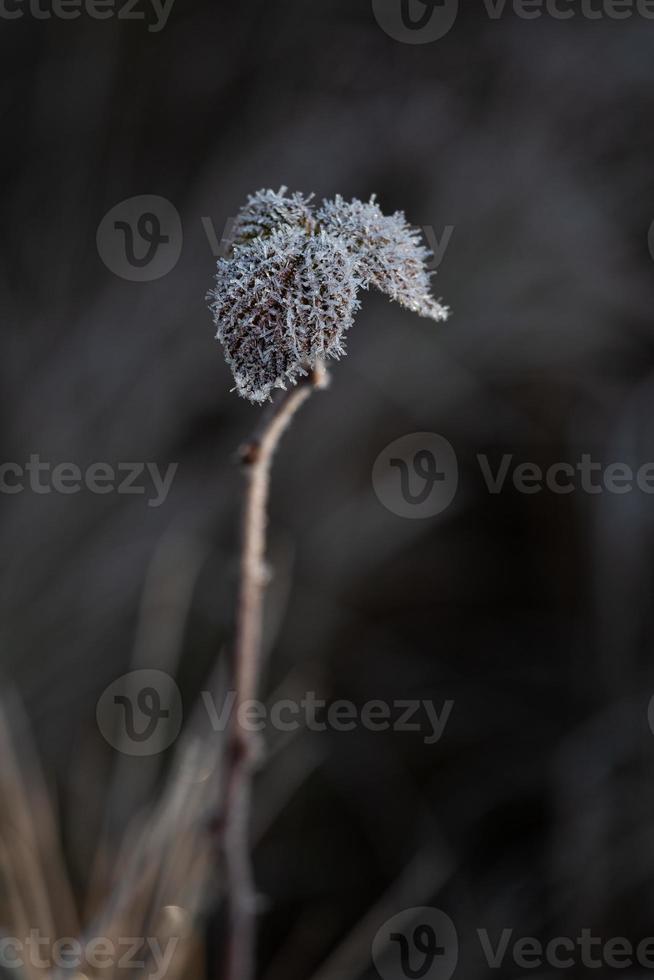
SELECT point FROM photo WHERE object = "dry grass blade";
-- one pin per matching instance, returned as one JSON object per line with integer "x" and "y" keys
{"x": 35, "y": 892}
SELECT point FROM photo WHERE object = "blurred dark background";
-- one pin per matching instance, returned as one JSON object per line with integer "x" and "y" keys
{"x": 533, "y": 141}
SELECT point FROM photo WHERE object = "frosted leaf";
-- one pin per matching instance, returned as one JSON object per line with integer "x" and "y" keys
{"x": 281, "y": 303}
{"x": 287, "y": 291}
{"x": 267, "y": 211}
{"x": 390, "y": 253}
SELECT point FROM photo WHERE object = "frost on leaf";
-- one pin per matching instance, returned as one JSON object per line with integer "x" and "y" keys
{"x": 390, "y": 253}
{"x": 281, "y": 303}
{"x": 287, "y": 291}
{"x": 268, "y": 211}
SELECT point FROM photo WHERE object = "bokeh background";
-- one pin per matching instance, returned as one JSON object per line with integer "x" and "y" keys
{"x": 532, "y": 141}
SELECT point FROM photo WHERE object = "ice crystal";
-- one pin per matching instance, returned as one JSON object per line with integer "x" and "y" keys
{"x": 287, "y": 291}
{"x": 268, "y": 211}
{"x": 390, "y": 253}
{"x": 281, "y": 303}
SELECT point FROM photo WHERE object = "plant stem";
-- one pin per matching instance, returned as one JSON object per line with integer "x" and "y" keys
{"x": 256, "y": 457}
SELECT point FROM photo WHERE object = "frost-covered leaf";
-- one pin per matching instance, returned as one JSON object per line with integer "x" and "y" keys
{"x": 281, "y": 303}
{"x": 267, "y": 211}
{"x": 287, "y": 291}
{"x": 389, "y": 252}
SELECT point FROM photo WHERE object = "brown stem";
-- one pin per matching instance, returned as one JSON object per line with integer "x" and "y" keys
{"x": 256, "y": 456}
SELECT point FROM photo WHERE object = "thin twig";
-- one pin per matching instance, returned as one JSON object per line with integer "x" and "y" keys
{"x": 256, "y": 456}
